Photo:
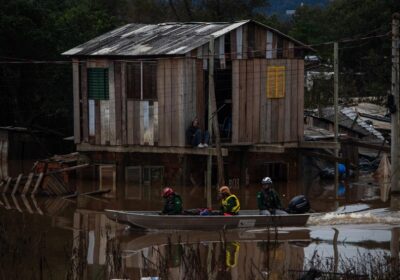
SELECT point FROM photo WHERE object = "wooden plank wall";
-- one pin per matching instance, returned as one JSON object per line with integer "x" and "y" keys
{"x": 258, "y": 119}
{"x": 76, "y": 98}
{"x": 176, "y": 89}
{"x": 263, "y": 44}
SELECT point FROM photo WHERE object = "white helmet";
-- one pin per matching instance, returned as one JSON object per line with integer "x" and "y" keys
{"x": 266, "y": 180}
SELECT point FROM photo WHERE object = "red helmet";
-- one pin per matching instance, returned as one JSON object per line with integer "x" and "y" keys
{"x": 167, "y": 192}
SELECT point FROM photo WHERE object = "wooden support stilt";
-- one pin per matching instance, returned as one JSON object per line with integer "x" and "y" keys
{"x": 27, "y": 184}
{"x": 17, "y": 182}
{"x": 38, "y": 182}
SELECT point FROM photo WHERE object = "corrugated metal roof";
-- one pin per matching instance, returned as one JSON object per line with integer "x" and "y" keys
{"x": 157, "y": 39}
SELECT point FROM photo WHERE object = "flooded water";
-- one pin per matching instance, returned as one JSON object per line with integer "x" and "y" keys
{"x": 352, "y": 235}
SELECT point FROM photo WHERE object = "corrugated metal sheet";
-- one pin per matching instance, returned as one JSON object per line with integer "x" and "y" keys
{"x": 156, "y": 39}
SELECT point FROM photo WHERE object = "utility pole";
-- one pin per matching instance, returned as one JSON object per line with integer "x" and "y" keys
{"x": 395, "y": 187}
{"x": 335, "y": 105}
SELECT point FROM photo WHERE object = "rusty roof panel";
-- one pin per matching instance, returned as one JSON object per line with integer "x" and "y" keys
{"x": 154, "y": 39}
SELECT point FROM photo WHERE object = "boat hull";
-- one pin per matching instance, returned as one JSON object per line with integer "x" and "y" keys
{"x": 247, "y": 219}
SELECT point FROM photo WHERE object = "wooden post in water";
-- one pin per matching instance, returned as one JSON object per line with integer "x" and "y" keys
{"x": 394, "y": 247}
{"x": 395, "y": 186}
{"x": 209, "y": 118}
{"x": 214, "y": 114}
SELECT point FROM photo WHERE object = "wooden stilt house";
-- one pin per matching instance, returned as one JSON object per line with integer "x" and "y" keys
{"x": 137, "y": 88}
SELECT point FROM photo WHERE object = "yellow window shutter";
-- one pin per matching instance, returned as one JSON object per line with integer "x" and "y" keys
{"x": 275, "y": 81}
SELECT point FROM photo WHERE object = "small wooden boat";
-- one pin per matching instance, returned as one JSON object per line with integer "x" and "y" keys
{"x": 246, "y": 219}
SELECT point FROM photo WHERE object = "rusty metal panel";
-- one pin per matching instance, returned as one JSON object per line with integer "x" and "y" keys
{"x": 164, "y": 38}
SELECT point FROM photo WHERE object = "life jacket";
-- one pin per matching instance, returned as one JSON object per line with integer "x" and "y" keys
{"x": 232, "y": 254}
{"x": 226, "y": 206}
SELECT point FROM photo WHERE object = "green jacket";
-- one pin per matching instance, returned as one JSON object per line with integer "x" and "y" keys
{"x": 268, "y": 200}
{"x": 172, "y": 205}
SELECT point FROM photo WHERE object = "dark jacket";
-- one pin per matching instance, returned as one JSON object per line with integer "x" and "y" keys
{"x": 172, "y": 205}
{"x": 191, "y": 131}
{"x": 268, "y": 200}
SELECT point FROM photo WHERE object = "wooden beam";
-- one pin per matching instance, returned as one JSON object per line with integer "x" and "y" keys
{"x": 318, "y": 145}
{"x": 149, "y": 149}
{"x": 322, "y": 156}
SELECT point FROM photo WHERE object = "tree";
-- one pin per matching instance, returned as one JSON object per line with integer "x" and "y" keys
{"x": 358, "y": 26}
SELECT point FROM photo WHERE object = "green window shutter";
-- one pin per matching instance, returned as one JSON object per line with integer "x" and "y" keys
{"x": 98, "y": 83}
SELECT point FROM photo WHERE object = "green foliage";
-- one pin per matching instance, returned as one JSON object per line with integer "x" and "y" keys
{"x": 365, "y": 64}
{"x": 41, "y": 94}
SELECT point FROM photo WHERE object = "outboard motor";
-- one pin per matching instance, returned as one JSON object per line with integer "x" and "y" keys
{"x": 298, "y": 205}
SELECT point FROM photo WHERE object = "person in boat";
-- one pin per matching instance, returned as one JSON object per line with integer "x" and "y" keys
{"x": 196, "y": 137}
{"x": 172, "y": 202}
{"x": 268, "y": 200}
{"x": 230, "y": 204}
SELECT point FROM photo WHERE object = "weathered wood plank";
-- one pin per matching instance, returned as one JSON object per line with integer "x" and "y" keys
{"x": 76, "y": 100}
{"x": 271, "y": 112}
{"x": 256, "y": 101}
{"x": 242, "y": 101}
{"x": 179, "y": 93}
{"x": 200, "y": 95}
{"x": 168, "y": 102}
{"x": 118, "y": 103}
{"x": 221, "y": 52}
{"x": 112, "y": 105}
{"x": 146, "y": 133}
{"x": 84, "y": 95}
{"x": 235, "y": 101}
{"x": 281, "y": 110}
{"x": 124, "y": 124}
{"x": 97, "y": 119}
{"x": 288, "y": 97}
{"x": 285, "y": 49}
{"x": 161, "y": 101}
{"x": 174, "y": 108}
{"x": 105, "y": 122}
{"x": 263, "y": 101}
{"x": 245, "y": 42}
{"x": 293, "y": 102}
{"x": 291, "y": 50}
{"x": 239, "y": 42}
{"x": 233, "y": 54}
{"x": 92, "y": 120}
{"x": 261, "y": 45}
{"x": 269, "y": 43}
{"x": 300, "y": 104}
{"x": 137, "y": 119}
{"x": 274, "y": 46}
{"x": 130, "y": 121}
{"x": 155, "y": 123}
{"x": 249, "y": 100}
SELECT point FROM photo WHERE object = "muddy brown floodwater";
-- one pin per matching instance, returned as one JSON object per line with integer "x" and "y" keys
{"x": 53, "y": 238}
